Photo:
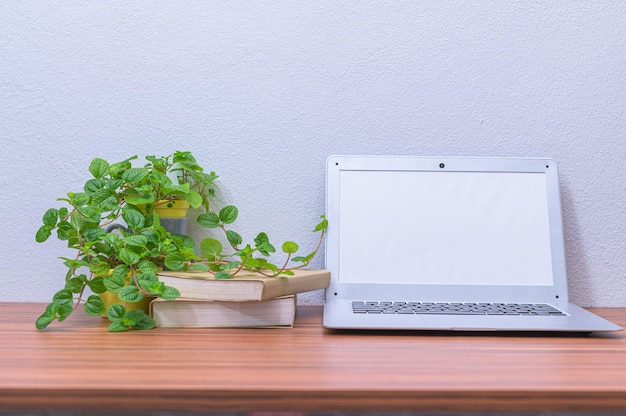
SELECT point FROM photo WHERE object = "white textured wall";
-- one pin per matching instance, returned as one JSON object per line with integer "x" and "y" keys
{"x": 263, "y": 92}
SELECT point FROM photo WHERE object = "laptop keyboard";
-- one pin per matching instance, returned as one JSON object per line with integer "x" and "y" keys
{"x": 437, "y": 308}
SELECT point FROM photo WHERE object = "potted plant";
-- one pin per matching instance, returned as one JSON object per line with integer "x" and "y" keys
{"x": 192, "y": 190}
{"x": 123, "y": 259}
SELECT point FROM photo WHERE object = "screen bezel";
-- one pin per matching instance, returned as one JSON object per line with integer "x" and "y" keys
{"x": 505, "y": 293}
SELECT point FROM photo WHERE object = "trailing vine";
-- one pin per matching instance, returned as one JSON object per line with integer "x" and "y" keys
{"x": 125, "y": 258}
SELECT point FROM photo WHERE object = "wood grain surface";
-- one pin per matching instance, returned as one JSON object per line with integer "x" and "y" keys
{"x": 78, "y": 365}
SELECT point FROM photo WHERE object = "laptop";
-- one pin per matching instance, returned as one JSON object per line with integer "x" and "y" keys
{"x": 448, "y": 243}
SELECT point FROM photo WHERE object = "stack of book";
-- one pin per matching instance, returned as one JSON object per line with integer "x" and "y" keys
{"x": 247, "y": 300}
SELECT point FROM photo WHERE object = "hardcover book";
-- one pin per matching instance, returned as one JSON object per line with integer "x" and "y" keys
{"x": 244, "y": 287}
{"x": 193, "y": 313}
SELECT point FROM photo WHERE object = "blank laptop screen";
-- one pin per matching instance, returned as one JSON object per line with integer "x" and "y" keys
{"x": 444, "y": 228}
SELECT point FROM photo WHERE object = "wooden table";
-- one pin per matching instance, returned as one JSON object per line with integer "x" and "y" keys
{"x": 78, "y": 365}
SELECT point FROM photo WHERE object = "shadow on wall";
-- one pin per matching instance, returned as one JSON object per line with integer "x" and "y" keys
{"x": 580, "y": 288}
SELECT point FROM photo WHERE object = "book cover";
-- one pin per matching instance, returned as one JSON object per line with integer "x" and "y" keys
{"x": 193, "y": 313}
{"x": 244, "y": 287}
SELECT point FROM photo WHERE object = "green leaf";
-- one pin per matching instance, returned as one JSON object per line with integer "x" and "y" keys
{"x": 233, "y": 238}
{"x": 304, "y": 259}
{"x": 153, "y": 286}
{"x": 109, "y": 204}
{"x": 229, "y": 214}
{"x": 159, "y": 177}
{"x": 146, "y": 266}
{"x": 94, "y": 185}
{"x": 53, "y": 311}
{"x": 63, "y": 297}
{"x": 135, "y": 175}
{"x": 92, "y": 216}
{"x": 99, "y": 168}
{"x": 131, "y": 317}
{"x": 50, "y": 217}
{"x": 128, "y": 256}
{"x": 184, "y": 241}
{"x": 114, "y": 282}
{"x": 121, "y": 270}
{"x": 131, "y": 294}
{"x": 94, "y": 306}
{"x": 101, "y": 195}
{"x": 100, "y": 268}
{"x": 264, "y": 264}
{"x": 114, "y": 183}
{"x": 158, "y": 163}
{"x": 118, "y": 326}
{"x": 65, "y": 231}
{"x": 62, "y": 309}
{"x": 77, "y": 220}
{"x": 194, "y": 199}
{"x": 139, "y": 320}
{"x": 263, "y": 244}
{"x": 134, "y": 218}
{"x": 230, "y": 266}
{"x": 145, "y": 280}
{"x": 75, "y": 285}
{"x": 266, "y": 249}
{"x": 170, "y": 293}
{"x": 44, "y": 320}
{"x": 111, "y": 238}
{"x": 174, "y": 261}
{"x": 180, "y": 190}
{"x": 150, "y": 235}
{"x": 323, "y": 225}
{"x": 222, "y": 276}
{"x": 244, "y": 252}
{"x": 136, "y": 240}
{"x": 93, "y": 234}
{"x": 43, "y": 233}
{"x": 97, "y": 285}
{"x": 118, "y": 167}
{"x": 261, "y": 239}
{"x": 141, "y": 198}
{"x": 205, "y": 178}
{"x": 210, "y": 247}
{"x": 290, "y": 247}
{"x": 185, "y": 157}
{"x": 209, "y": 220}
{"x": 116, "y": 312}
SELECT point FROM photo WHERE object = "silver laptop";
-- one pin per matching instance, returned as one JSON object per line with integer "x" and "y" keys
{"x": 448, "y": 243}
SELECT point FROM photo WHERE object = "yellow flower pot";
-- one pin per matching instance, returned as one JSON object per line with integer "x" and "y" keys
{"x": 110, "y": 298}
{"x": 171, "y": 208}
